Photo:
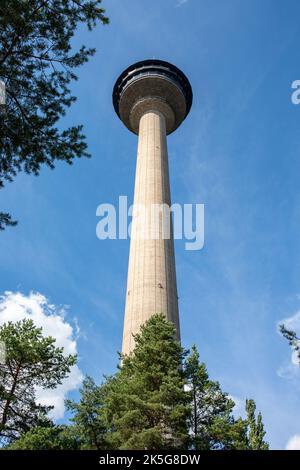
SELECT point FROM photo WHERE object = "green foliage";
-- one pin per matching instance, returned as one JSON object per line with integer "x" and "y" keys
{"x": 47, "y": 438}
{"x": 88, "y": 418}
{"x": 159, "y": 398}
{"x": 37, "y": 66}
{"x": 256, "y": 432}
{"x": 211, "y": 422}
{"x": 228, "y": 433}
{"x": 292, "y": 338}
{"x": 146, "y": 405}
{"x": 31, "y": 360}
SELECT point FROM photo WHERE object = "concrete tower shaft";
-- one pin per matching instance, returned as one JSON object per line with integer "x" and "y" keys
{"x": 152, "y": 98}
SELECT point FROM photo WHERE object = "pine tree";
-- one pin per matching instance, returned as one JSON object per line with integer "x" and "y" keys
{"x": 37, "y": 64}
{"x": 47, "y": 438}
{"x": 146, "y": 406}
{"x": 256, "y": 432}
{"x": 88, "y": 418}
{"x": 211, "y": 423}
{"x": 30, "y": 360}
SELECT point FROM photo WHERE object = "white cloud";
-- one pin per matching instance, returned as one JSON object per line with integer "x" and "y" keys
{"x": 14, "y": 306}
{"x": 181, "y": 2}
{"x": 293, "y": 443}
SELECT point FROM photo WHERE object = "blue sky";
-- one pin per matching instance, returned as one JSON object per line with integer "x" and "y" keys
{"x": 237, "y": 153}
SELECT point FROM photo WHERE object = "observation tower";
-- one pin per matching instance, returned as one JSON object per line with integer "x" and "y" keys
{"x": 152, "y": 98}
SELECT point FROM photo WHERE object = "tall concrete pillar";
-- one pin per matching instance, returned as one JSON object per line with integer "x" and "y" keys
{"x": 152, "y": 98}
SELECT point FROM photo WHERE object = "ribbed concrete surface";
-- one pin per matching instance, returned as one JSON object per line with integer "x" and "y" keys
{"x": 151, "y": 283}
